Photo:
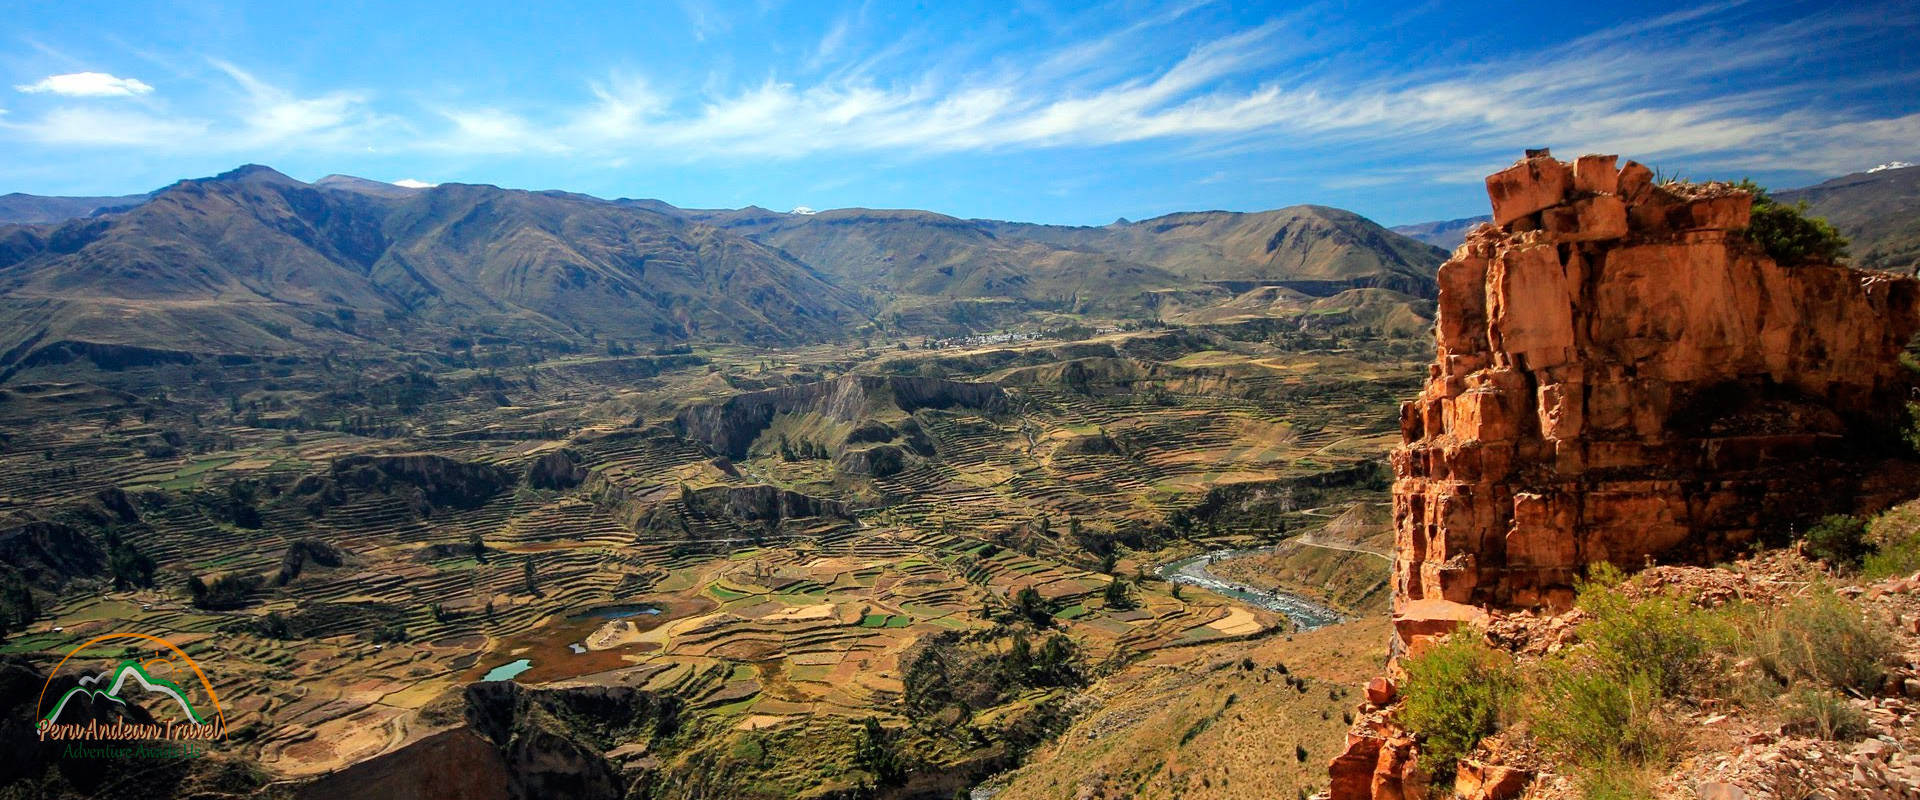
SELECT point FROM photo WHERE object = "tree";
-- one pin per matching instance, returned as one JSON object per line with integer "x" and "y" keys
{"x": 1035, "y": 609}
{"x": 927, "y": 686}
{"x": 17, "y": 606}
{"x": 129, "y": 566}
{"x": 1117, "y": 597}
{"x": 1788, "y": 234}
{"x": 478, "y": 547}
{"x": 274, "y": 626}
{"x": 526, "y": 573}
{"x": 1018, "y": 661}
{"x": 875, "y": 753}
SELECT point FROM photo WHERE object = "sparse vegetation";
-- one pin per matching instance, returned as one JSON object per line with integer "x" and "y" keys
{"x": 1608, "y": 706}
{"x": 1788, "y": 233}
{"x": 1839, "y": 540}
{"x": 1454, "y": 697}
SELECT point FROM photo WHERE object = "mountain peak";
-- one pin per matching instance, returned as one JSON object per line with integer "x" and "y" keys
{"x": 352, "y": 183}
{"x": 255, "y": 173}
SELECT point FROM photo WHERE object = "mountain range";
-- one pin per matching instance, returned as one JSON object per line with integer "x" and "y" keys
{"x": 1878, "y": 210}
{"x": 255, "y": 262}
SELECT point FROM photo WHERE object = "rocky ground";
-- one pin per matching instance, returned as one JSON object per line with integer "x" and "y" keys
{"x": 1732, "y": 751}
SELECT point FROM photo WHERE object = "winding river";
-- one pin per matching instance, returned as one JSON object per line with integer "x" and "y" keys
{"x": 1305, "y": 614}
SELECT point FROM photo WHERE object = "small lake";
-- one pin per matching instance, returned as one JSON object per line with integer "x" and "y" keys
{"x": 617, "y": 612}
{"x": 1305, "y": 614}
{"x": 506, "y": 672}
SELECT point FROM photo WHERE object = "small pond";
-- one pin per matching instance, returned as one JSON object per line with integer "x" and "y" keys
{"x": 616, "y": 612}
{"x": 505, "y": 672}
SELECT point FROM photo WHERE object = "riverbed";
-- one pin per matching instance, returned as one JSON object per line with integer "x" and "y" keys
{"x": 1304, "y": 613}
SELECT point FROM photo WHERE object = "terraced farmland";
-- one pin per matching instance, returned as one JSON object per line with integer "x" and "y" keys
{"x": 388, "y": 556}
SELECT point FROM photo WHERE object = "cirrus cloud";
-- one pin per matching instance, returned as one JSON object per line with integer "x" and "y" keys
{"x": 87, "y": 84}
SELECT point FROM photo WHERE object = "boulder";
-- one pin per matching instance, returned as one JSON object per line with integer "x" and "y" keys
{"x": 1477, "y": 781}
{"x": 1380, "y": 691}
{"x": 1527, "y": 187}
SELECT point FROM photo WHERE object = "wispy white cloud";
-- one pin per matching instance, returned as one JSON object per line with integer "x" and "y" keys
{"x": 409, "y": 183}
{"x": 86, "y": 84}
{"x": 1278, "y": 87}
{"x": 96, "y": 127}
{"x": 704, "y": 19}
{"x": 256, "y": 115}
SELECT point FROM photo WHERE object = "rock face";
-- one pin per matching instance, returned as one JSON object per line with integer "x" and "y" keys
{"x": 557, "y": 469}
{"x": 426, "y": 481}
{"x": 516, "y": 743}
{"x": 1622, "y": 376}
{"x": 731, "y": 425}
{"x": 760, "y": 503}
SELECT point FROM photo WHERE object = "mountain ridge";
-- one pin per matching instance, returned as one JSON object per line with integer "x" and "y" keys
{"x": 253, "y": 261}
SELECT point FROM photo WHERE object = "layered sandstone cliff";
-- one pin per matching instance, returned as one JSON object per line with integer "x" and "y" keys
{"x": 1623, "y": 376}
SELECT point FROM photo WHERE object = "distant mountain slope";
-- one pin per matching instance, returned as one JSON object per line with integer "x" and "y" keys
{"x": 927, "y": 254}
{"x": 29, "y": 209}
{"x": 1315, "y": 249}
{"x": 253, "y": 261}
{"x": 1445, "y": 234}
{"x": 1878, "y": 211}
{"x": 365, "y": 186}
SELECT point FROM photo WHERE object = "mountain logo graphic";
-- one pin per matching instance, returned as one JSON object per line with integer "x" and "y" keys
{"x": 117, "y": 680}
{"x": 169, "y": 674}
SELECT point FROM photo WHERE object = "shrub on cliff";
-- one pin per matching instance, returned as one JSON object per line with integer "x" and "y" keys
{"x": 1662, "y": 639}
{"x": 1839, "y": 540}
{"x": 1824, "y": 639}
{"x": 1824, "y": 714}
{"x": 1787, "y": 233}
{"x": 1894, "y": 540}
{"x": 1454, "y": 695}
{"x": 1604, "y": 721}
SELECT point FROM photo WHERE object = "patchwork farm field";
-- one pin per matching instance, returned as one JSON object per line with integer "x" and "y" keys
{"x": 780, "y": 542}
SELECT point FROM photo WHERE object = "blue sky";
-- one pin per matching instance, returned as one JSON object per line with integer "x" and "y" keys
{"x": 1044, "y": 111}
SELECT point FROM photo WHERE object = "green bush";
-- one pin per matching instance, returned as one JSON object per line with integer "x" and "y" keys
{"x": 1824, "y": 713}
{"x": 1596, "y": 718}
{"x": 1839, "y": 540}
{"x": 1454, "y": 695}
{"x": 1786, "y": 232}
{"x": 1663, "y": 638}
{"x": 1619, "y": 781}
{"x": 1894, "y": 538}
{"x": 1821, "y": 638}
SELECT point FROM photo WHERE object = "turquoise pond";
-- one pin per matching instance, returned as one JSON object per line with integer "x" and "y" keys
{"x": 505, "y": 672}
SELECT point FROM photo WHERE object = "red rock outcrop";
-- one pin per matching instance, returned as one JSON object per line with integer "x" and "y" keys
{"x": 1622, "y": 376}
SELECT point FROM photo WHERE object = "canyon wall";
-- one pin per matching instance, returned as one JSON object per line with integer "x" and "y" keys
{"x": 730, "y": 426}
{"x": 1623, "y": 376}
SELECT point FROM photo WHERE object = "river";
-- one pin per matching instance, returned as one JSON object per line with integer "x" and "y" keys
{"x": 1305, "y": 614}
